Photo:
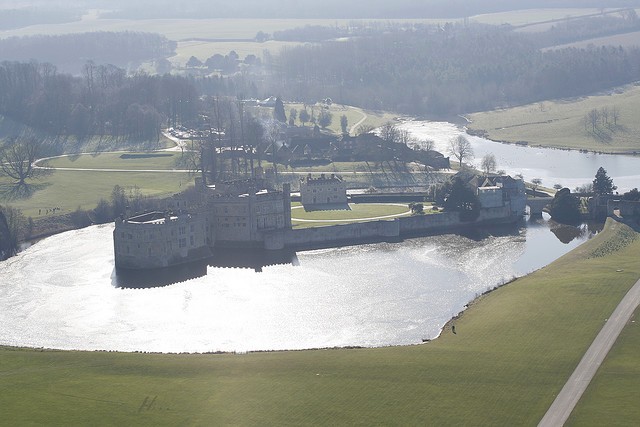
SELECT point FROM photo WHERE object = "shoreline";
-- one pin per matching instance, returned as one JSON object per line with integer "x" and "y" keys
{"x": 482, "y": 133}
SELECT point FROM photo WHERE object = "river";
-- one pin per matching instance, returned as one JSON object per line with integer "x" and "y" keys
{"x": 63, "y": 292}
{"x": 552, "y": 166}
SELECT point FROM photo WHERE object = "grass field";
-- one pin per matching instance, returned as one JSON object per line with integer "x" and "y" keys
{"x": 133, "y": 161}
{"x": 69, "y": 190}
{"x": 531, "y": 16}
{"x": 614, "y": 390}
{"x": 625, "y": 40}
{"x": 187, "y": 29}
{"x": 513, "y": 351}
{"x": 559, "y": 123}
{"x": 357, "y": 212}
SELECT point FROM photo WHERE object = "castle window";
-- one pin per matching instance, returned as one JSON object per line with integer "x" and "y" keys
{"x": 183, "y": 230}
{"x": 192, "y": 228}
{"x": 191, "y": 240}
{"x": 182, "y": 243}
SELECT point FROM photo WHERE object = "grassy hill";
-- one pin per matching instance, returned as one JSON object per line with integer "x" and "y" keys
{"x": 560, "y": 123}
{"x": 512, "y": 352}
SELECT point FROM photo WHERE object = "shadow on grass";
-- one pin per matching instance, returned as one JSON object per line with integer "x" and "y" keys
{"x": 328, "y": 207}
{"x": 12, "y": 192}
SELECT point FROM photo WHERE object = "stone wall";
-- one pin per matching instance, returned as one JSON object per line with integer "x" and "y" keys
{"x": 382, "y": 230}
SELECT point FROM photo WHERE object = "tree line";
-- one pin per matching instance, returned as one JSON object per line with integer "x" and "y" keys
{"x": 69, "y": 52}
{"x": 104, "y": 101}
{"x": 447, "y": 70}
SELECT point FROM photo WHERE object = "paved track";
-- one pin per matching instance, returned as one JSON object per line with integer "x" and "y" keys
{"x": 570, "y": 394}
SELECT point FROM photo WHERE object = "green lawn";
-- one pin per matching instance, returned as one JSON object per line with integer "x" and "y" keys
{"x": 614, "y": 393}
{"x": 559, "y": 123}
{"x": 70, "y": 189}
{"x": 513, "y": 351}
{"x": 356, "y": 211}
{"x": 125, "y": 161}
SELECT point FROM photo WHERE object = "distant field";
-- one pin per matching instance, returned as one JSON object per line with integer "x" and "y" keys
{"x": 559, "y": 123}
{"x": 531, "y": 16}
{"x": 512, "y": 352}
{"x": 624, "y": 40}
{"x": 186, "y": 29}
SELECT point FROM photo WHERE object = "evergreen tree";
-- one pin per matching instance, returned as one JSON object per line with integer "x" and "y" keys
{"x": 565, "y": 207}
{"x": 462, "y": 198}
{"x": 603, "y": 184}
{"x": 278, "y": 111}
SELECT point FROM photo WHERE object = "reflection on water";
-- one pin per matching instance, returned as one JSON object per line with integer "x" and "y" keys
{"x": 63, "y": 293}
{"x": 228, "y": 258}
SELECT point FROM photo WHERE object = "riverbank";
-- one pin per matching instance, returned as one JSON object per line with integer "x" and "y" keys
{"x": 565, "y": 123}
{"x": 512, "y": 351}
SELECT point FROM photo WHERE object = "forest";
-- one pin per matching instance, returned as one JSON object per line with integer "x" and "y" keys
{"x": 69, "y": 52}
{"x": 104, "y": 101}
{"x": 452, "y": 69}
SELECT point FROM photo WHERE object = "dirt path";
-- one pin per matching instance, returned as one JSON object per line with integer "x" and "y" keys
{"x": 570, "y": 394}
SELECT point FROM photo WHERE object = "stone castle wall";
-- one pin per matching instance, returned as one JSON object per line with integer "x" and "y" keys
{"x": 382, "y": 230}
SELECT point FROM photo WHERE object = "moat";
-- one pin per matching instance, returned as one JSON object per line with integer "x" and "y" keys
{"x": 64, "y": 293}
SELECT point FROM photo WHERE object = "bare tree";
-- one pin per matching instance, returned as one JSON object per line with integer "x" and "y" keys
{"x": 604, "y": 113}
{"x": 273, "y": 135}
{"x": 593, "y": 117}
{"x": 489, "y": 163}
{"x": 17, "y": 159}
{"x": 364, "y": 129}
{"x": 460, "y": 148}
{"x": 427, "y": 144}
{"x": 536, "y": 182}
{"x": 389, "y": 133}
{"x": 615, "y": 115}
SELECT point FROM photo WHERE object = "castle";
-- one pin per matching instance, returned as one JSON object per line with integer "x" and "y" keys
{"x": 251, "y": 214}
{"x": 231, "y": 214}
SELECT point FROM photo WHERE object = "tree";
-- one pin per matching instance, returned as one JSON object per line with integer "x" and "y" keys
{"x": 278, "y": 111}
{"x": 343, "y": 124}
{"x": 304, "y": 116}
{"x": 615, "y": 115}
{"x": 325, "y": 118}
{"x": 557, "y": 186}
{"x": 194, "y": 62}
{"x": 602, "y": 184}
{"x": 11, "y": 225}
{"x": 461, "y": 198}
{"x": 593, "y": 117}
{"x": 633, "y": 195}
{"x": 364, "y": 129}
{"x": 536, "y": 182}
{"x": 460, "y": 148}
{"x": 389, "y": 133}
{"x": 17, "y": 159}
{"x": 488, "y": 163}
{"x": 565, "y": 207}
{"x": 293, "y": 115}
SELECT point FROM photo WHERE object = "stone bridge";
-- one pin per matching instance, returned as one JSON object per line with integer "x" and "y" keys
{"x": 537, "y": 204}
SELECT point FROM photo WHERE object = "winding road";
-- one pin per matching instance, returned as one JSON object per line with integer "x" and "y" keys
{"x": 570, "y": 394}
